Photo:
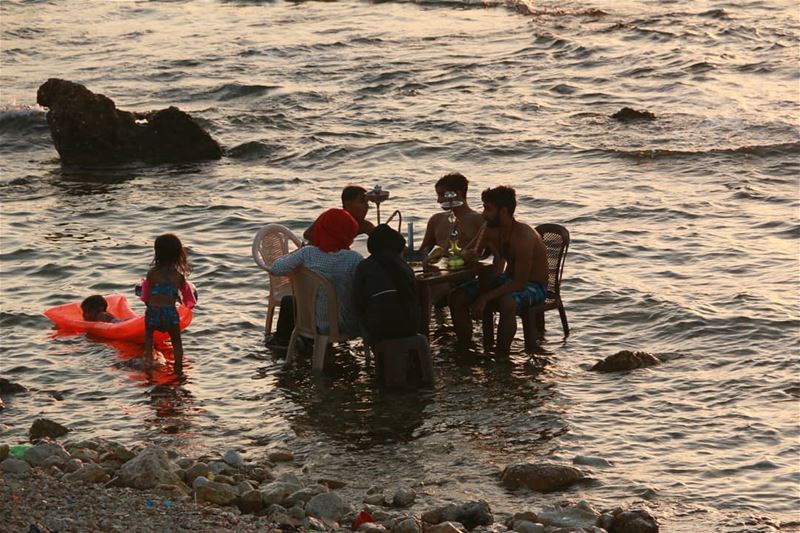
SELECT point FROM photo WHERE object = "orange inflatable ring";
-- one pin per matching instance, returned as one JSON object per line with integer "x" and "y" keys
{"x": 70, "y": 317}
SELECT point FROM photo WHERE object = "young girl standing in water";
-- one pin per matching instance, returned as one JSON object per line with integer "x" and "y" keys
{"x": 165, "y": 285}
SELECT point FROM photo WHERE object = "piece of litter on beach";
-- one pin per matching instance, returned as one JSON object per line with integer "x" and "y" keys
{"x": 167, "y": 503}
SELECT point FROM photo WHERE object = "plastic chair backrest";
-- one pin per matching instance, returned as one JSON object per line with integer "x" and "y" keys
{"x": 556, "y": 241}
{"x": 307, "y": 284}
{"x": 270, "y": 243}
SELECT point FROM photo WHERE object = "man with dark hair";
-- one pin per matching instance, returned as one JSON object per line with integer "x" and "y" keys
{"x": 519, "y": 277}
{"x": 468, "y": 221}
{"x": 354, "y": 201}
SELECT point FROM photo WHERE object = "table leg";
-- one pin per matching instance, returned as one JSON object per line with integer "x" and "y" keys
{"x": 425, "y": 306}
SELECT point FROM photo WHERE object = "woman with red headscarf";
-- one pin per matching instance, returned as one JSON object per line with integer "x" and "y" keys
{"x": 332, "y": 257}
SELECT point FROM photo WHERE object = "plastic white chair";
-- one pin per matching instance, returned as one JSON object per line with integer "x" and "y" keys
{"x": 307, "y": 284}
{"x": 270, "y": 243}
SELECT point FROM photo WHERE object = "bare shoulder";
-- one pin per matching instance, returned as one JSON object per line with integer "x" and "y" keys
{"x": 524, "y": 232}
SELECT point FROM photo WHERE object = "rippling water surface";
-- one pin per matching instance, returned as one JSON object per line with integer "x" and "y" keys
{"x": 685, "y": 234}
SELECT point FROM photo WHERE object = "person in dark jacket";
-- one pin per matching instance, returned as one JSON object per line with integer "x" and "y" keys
{"x": 384, "y": 290}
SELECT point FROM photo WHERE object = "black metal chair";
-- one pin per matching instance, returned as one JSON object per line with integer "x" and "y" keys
{"x": 556, "y": 241}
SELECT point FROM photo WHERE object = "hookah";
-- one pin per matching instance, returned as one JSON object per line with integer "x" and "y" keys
{"x": 378, "y": 195}
{"x": 454, "y": 252}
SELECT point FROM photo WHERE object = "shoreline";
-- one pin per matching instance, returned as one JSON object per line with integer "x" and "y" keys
{"x": 101, "y": 485}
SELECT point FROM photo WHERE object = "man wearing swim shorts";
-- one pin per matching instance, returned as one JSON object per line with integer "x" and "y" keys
{"x": 519, "y": 275}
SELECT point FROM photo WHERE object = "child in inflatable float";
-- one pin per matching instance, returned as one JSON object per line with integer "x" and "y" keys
{"x": 164, "y": 285}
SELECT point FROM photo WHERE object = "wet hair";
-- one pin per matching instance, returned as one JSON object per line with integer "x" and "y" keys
{"x": 385, "y": 239}
{"x": 455, "y": 181}
{"x": 170, "y": 253}
{"x": 94, "y": 304}
{"x": 501, "y": 197}
{"x": 351, "y": 192}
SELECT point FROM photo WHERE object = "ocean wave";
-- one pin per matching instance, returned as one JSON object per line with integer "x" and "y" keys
{"x": 763, "y": 150}
{"x": 22, "y": 117}
{"x": 232, "y": 91}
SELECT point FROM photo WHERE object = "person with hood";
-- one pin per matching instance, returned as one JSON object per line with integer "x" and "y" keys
{"x": 384, "y": 289}
{"x": 330, "y": 256}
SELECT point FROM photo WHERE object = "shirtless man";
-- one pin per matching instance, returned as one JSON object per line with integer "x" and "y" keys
{"x": 354, "y": 201}
{"x": 519, "y": 274}
{"x": 468, "y": 221}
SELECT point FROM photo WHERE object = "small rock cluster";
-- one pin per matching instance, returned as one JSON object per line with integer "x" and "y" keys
{"x": 288, "y": 503}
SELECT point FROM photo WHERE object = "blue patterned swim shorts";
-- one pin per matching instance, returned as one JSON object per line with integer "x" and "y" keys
{"x": 533, "y": 294}
{"x": 161, "y": 318}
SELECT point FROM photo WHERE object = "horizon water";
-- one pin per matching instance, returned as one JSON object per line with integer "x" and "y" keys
{"x": 684, "y": 236}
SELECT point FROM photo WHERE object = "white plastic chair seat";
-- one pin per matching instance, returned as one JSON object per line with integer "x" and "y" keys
{"x": 271, "y": 242}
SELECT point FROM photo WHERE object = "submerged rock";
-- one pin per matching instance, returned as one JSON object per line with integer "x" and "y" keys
{"x": 43, "y": 427}
{"x": 87, "y": 128}
{"x": 542, "y": 477}
{"x": 9, "y": 387}
{"x": 626, "y": 360}
{"x": 627, "y": 114}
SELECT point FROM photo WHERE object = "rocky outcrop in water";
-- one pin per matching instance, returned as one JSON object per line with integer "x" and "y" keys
{"x": 43, "y": 427}
{"x": 9, "y": 387}
{"x": 626, "y": 360}
{"x": 627, "y": 114}
{"x": 87, "y": 128}
{"x": 542, "y": 477}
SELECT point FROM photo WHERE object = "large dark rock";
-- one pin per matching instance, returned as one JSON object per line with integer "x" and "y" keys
{"x": 626, "y": 360}
{"x": 470, "y": 514}
{"x": 627, "y": 114}
{"x": 633, "y": 521}
{"x": 541, "y": 477}
{"x": 87, "y": 128}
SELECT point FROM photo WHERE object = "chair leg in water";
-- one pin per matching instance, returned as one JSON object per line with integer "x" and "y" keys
{"x": 320, "y": 346}
{"x": 291, "y": 351}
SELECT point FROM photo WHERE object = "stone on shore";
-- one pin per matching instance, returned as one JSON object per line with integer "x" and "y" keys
{"x": 371, "y": 527}
{"x": 280, "y": 456}
{"x": 570, "y": 515}
{"x": 277, "y": 492}
{"x": 524, "y": 526}
{"x": 218, "y": 493}
{"x": 233, "y": 458}
{"x": 469, "y": 514}
{"x": 445, "y": 527}
{"x": 13, "y": 465}
{"x": 43, "y": 427}
{"x": 36, "y": 455}
{"x": 250, "y": 501}
{"x": 87, "y": 128}
{"x": 88, "y": 473}
{"x": 5, "y": 449}
{"x": 626, "y": 360}
{"x": 196, "y": 470}
{"x": 633, "y": 521}
{"x": 328, "y": 506}
{"x": 304, "y": 494}
{"x": 407, "y": 525}
{"x": 150, "y": 468}
{"x": 403, "y": 497}
{"x": 541, "y": 477}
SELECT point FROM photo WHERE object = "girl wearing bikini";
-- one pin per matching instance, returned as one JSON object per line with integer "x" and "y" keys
{"x": 163, "y": 287}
